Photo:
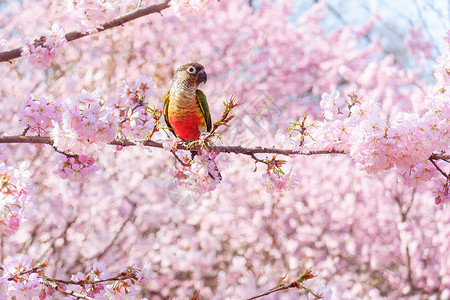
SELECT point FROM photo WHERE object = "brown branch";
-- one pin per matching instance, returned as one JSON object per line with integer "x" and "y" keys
{"x": 438, "y": 168}
{"x": 19, "y": 139}
{"x": 117, "y": 21}
{"x": 75, "y": 295}
{"x": 122, "y": 276}
{"x": 295, "y": 284}
{"x": 278, "y": 289}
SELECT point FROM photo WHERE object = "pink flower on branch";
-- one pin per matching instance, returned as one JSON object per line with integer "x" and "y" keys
{"x": 87, "y": 125}
{"x": 200, "y": 175}
{"x": 41, "y": 52}
{"x": 276, "y": 183}
{"x": 443, "y": 194}
{"x": 13, "y": 197}
{"x": 77, "y": 168}
{"x": 137, "y": 119}
{"x": 91, "y": 14}
{"x": 180, "y": 7}
{"x": 37, "y": 115}
{"x": 24, "y": 284}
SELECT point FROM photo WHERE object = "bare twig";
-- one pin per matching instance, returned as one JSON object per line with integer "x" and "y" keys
{"x": 118, "y": 21}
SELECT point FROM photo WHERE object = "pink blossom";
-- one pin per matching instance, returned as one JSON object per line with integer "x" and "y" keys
{"x": 91, "y": 14}
{"x": 289, "y": 142}
{"x": 78, "y": 277}
{"x": 171, "y": 144}
{"x": 38, "y": 114}
{"x": 323, "y": 292}
{"x": 41, "y": 52}
{"x": 443, "y": 194}
{"x": 99, "y": 270}
{"x": 278, "y": 183}
{"x": 143, "y": 274}
{"x": 200, "y": 176}
{"x": 136, "y": 119}
{"x": 77, "y": 169}
{"x": 87, "y": 125}
{"x": 334, "y": 106}
{"x": 13, "y": 197}
{"x": 26, "y": 288}
{"x": 180, "y": 7}
{"x": 13, "y": 265}
{"x": 416, "y": 44}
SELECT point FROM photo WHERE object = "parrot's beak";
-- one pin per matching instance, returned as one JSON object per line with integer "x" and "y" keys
{"x": 201, "y": 77}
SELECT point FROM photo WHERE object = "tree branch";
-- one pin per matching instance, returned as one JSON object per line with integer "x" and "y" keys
{"x": 117, "y": 21}
{"x": 281, "y": 288}
{"x": 20, "y": 139}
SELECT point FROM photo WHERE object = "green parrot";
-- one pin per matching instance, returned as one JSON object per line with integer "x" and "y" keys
{"x": 186, "y": 110}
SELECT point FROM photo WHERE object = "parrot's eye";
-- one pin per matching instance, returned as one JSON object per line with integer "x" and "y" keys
{"x": 191, "y": 70}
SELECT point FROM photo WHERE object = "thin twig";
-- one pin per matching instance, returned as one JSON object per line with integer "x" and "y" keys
{"x": 281, "y": 288}
{"x": 118, "y": 21}
{"x": 294, "y": 284}
{"x": 438, "y": 168}
{"x": 180, "y": 160}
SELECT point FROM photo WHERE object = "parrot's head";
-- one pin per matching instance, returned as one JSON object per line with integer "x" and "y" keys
{"x": 191, "y": 74}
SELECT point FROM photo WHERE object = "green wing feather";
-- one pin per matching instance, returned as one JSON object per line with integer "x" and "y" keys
{"x": 166, "y": 110}
{"x": 201, "y": 98}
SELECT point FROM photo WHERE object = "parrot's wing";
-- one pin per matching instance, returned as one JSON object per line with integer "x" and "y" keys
{"x": 166, "y": 110}
{"x": 201, "y": 99}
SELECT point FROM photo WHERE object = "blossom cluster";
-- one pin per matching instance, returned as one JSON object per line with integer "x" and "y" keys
{"x": 180, "y": 7}
{"x": 273, "y": 182}
{"x": 201, "y": 175}
{"x": 24, "y": 284}
{"x": 23, "y": 281}
{"x": 323, "y": 292}
{"x": 91, "y": 14}
{"x": 416, "y": 44}
{"x": 13, "y": 197}
{"x": 136, "y": 118}
{"x": 87, "y": 124}
{"x": 93, "y": 284}
{"x": 41, "y": 52}
{"x": 78, "y": 168}
{"x": 377, "y": 143}
{"x": 38, "y": 115}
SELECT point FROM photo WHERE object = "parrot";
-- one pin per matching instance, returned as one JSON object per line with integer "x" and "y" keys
{"x": 185, "y": 107}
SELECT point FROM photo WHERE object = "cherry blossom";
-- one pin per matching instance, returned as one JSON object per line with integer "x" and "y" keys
{"x": 87, "y": 124}
{"x": 364, "y": 197}
{"x": 38, "y": 115}
{"x": 91, "y": 14}
{"x": 200, "y": 175}
{"x": 14, "y": 197}
{"x": 41, "y": 52}
{"x": 77, "y": 168}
